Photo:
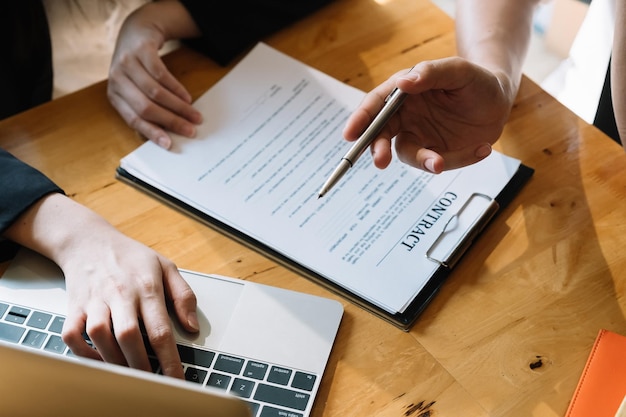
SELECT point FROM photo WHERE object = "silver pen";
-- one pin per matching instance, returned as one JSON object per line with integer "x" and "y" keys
{"x": 392, "y": 103}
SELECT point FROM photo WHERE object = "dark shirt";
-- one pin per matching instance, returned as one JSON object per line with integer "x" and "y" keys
{"x": 229, "y": 27}
{"x": 20, "y": 186}
{"x": 25, "y": 82}
{"x": 605, "y": 115}
{"x": 26, "y": 64}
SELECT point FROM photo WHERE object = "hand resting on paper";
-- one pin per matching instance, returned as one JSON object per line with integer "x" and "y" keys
{"x": 455, "y": 110}
{"x": 140, "y": 87}
{"x": 146, "y": 94}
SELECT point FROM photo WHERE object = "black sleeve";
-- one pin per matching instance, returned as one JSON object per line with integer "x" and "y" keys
{"x": 605, "y": 113}
{"x": 26, "y": 76}
{"x": 20, "y": 187}
{"x": 229, "y": 27}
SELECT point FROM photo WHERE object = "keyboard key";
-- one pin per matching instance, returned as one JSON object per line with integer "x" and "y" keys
{"x": 17, "y": 315}
{"x": 230, "y": 364}
{"x": 3, "y": 309}
{"x": 195, "y": 375}
{"x": 242, "y": 387}
{"x": 11, "y": 333}
{"x": 39, "y": 320}
{"x": 55, "y": 344}
{"x": 282, "y": 396}
{"x": 87, "y": 339}
{"x": 279, "y": 375}
{"x": 256, "y": 370}
{"x": 154, "y": 364}
{"x": 34, "y": 339}
{"x": 303, "y": 381}
{"x": 149, "y": 350}
{"x": 220, "y": 381}
{"x": 195, "y": 356}
{"x": 57, "y": 324}
{"x": 277, "y": 412}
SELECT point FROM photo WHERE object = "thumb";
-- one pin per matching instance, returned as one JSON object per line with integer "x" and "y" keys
{"x": 183, "y": 299}
{"x": 441, "y": 74}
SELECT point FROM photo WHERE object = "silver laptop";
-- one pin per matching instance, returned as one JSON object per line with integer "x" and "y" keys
{"x": 261, "y": 351}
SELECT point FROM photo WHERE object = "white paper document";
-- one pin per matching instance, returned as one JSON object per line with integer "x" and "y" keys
{"x": 271, "y": 136}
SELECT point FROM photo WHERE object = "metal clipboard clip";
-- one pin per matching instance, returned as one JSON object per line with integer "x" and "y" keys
{"x": 467, "y": 237}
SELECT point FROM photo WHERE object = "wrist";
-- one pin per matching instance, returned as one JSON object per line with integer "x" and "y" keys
{"x": 509, "y": 86}
{"x": 169, "y": 19}
{"x": 57, "y": 226}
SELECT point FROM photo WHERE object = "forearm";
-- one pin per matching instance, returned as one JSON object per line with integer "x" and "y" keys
{"x": 618, "y": 69}
{"x": 495, "y": 34}
{"x": 169, "y": 17}
{"x": 56, "y": 226}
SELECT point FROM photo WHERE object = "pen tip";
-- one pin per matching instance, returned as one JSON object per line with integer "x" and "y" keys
{"x": 320, "y": 196}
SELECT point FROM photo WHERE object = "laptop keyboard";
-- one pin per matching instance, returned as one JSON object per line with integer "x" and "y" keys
{"x": 269, "y": 389}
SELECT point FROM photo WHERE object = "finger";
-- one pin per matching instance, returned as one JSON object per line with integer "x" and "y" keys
{"x": 436, "y": 160}
{"x": 73, "y": 336}
{"x": 128, "y": 335}
{"x": 381, "y": 152}
{"x": 182, "y": 297}
{"x": 159, "y": 72}
{"x": 367, "y": 110}
{"x": 161, "y": 337}
{"x": 442, "y": 74}
{"x": 147, "y": 65}
{"x": 159, "y": 93}
{"x": 144, "y": 109}
{"x": 98, "y": 327}
{"x": 466, "y": 156}
{"x": 148, "y": 130}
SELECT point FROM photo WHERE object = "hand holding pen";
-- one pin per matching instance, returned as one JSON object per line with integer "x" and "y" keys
{"x": 451, "y": 113}
{"x": 392, "y": 103}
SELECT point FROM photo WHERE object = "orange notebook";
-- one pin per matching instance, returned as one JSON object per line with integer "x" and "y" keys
{"x": 602, "y": 386}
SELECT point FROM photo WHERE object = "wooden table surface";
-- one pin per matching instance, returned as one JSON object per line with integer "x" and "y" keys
{"x": 510, "y": 331}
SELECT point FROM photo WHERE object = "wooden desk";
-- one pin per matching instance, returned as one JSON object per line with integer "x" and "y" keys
{"x": 510, "y": 331}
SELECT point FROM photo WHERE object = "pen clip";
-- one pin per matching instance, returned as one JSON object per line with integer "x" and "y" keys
{"x": 394, "y": 91}
{"x": 468, "y": 236}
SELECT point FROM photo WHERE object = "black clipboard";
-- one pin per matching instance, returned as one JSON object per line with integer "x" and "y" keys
{"x": 403, "y": 320}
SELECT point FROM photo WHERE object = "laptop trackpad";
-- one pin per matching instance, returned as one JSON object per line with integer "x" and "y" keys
{"x": 217, "y": 298}
{"x": 264, "y": 322}
{"x": 285, "y": 327}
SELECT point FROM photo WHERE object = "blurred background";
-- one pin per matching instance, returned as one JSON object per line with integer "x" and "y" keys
{"x": 569, "y": 50}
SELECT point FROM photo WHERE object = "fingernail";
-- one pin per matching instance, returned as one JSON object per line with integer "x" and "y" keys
{"x": 197, "y": 118}
{"x": 484, "y": 151}
{"x": 192, "y": 321}
{"x": 189, "y": 131}
{"x": 411, "y": 76}
{"x": 429, "y": 164}
{"x": 164, "y": 142}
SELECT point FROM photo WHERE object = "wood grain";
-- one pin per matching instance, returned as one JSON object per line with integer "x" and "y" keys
{"x": 510, "y": 330}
